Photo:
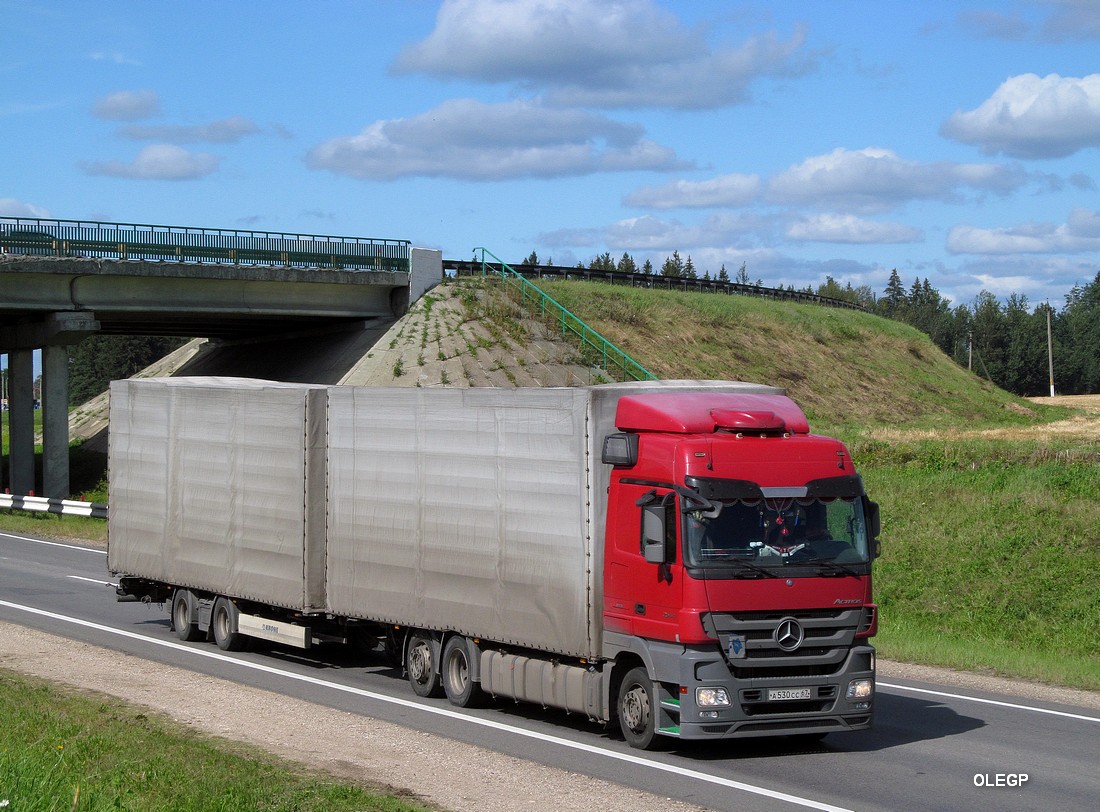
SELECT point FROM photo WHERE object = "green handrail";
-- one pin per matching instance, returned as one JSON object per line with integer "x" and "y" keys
{"x": 610, "y": 355}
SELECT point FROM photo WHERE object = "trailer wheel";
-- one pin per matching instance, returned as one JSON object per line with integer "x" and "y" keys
{"x": 182, "y": 617}
{"x": 637, "y": 710}
{"x": 461, "y": 690}
{"x": 421, "y": 667}
{"x": 223, "y": 623}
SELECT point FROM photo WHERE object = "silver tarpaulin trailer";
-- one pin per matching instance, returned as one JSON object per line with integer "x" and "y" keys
{"x": 470, "y": 510}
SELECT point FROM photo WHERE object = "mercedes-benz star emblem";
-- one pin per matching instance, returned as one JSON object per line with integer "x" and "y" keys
{"x": 789, "y": 634}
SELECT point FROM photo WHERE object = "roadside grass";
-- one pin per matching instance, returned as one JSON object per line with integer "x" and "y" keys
{"x": 990, "y": 558}
{"x": 49, "y": 525}
{"x": 64, "y": 750}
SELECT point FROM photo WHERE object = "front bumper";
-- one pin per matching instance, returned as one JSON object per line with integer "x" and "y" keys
{"x": 766, "y": 706}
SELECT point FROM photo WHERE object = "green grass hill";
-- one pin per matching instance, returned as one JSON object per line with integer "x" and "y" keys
{"x": 842, "y": 366}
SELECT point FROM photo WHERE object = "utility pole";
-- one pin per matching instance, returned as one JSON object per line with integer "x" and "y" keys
{"x": 1050, "y": 352}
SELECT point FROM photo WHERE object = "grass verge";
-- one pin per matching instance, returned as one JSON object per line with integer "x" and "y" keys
{"x": 990, "y": 556}
{"x": 60, "y": 750}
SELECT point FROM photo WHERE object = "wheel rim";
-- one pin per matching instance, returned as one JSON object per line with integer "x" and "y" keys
{"x": 183, "y": 619}
{"x": 221, "y": 623}
{"x": 636, "y": 709}
{"x": 458, "y": 672}
{"x": 420, "y": 662}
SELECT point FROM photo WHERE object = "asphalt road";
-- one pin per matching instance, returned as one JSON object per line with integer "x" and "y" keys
{"x": 933, "y": 747}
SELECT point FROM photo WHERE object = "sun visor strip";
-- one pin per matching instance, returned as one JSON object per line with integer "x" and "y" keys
{"x": 724, "y": 489}
{"x": 836, "y": 487}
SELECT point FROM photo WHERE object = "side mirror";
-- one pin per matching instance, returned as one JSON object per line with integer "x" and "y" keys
{"x": 653, "y": 534}
{"x": 874, "y": 525}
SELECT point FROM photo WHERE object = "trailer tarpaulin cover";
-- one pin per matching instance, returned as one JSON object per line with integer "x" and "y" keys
{"x": 209, "y": 481}
{"x": 464, "y": 509}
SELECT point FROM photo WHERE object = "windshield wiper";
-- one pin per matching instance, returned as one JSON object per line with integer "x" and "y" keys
{"x": 748, "y": 566}
{"x": 828, "y": 567}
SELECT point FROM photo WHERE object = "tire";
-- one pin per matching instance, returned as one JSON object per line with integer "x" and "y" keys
{"x": 223, "y": 625}
{"x": 455, "y": 672}
{"x": 187, "y": 630}
{"x": 637, "y": 708}
{"x": 421, "y": 667}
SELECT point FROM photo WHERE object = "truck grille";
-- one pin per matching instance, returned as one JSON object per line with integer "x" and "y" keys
{"x": 828, "y": 635}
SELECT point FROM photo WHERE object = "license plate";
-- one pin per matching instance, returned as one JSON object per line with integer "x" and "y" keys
{"x": 784, "y": 694}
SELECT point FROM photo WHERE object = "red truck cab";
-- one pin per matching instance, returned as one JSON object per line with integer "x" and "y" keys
{"x": 737, "y": 571}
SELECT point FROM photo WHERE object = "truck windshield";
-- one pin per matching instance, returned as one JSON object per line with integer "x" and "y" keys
{"x": 828, "y": 533}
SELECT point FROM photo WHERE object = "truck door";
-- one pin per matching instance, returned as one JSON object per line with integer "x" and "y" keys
{"x": 643, "y": 597}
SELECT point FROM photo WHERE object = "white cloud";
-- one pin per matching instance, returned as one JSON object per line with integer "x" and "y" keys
{"x": 1067, "y": 20}
{"x": 847, "y": 228}
{"x": 114, "y": 57}
{"x": 874, "y": 179}
{"x": 1079, "y": 234}
{"x": 627, "y": 53}
{"x": 471, "y": 140}
{"x": 1038, "y": 278}
{"x": 157, "y": 162}
{"x": 10, "y": 207}
{"x": 1033, "y": 117}
{"x": 1084, "y": 222}
{"x": 1072, "y": 19}
{"x": 995, "y": 24}
{"x": 127, "y": 105}
{"x": 724, "y": 190}
{"x": 723, "y": 231}
{"x": 225, "y": 131}
{"x": 866, "y": 180}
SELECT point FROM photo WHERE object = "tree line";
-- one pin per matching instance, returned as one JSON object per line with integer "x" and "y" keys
{"x": 1005, "y": 342}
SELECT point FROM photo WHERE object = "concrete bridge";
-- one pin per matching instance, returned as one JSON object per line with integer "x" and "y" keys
{"x": 259, "y": 294}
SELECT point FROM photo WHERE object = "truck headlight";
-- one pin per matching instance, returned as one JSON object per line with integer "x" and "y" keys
{"x": 861, "y": 689}
{"x": 712, "y": 698}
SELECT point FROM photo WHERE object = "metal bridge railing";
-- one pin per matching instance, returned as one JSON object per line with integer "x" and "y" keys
{"x": 610, "y": 357}
{"x": 659, "y": 282}
{"x": 83, "y": 238}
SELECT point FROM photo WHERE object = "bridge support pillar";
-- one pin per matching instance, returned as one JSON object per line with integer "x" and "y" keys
{"x": 53, "y": 334}
{"x": 21, "y": 421}
{"x": 55, "y": 421}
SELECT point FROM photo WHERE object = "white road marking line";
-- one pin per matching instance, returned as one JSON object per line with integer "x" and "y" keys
{"x": 99, "y": 581}
{"x": 55, "y": 543}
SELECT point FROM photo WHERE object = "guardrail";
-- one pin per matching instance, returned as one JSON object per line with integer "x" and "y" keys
{"x": 42, "y": 504}
{"x": 655, "y": 281}
{"x": 608, "y": 354}
{"x": 83, "y": 238}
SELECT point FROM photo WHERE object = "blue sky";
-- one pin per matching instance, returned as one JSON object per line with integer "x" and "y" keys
{"x": 954, "y": 141}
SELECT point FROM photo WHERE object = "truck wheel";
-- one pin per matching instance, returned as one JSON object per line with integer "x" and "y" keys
{"x": 637, "y": 710}
{"x": 420, "y": 666}
{"x": 455, "y": 671}
{"x": 223, "y": 622}
{"x": 186, "y": 629}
